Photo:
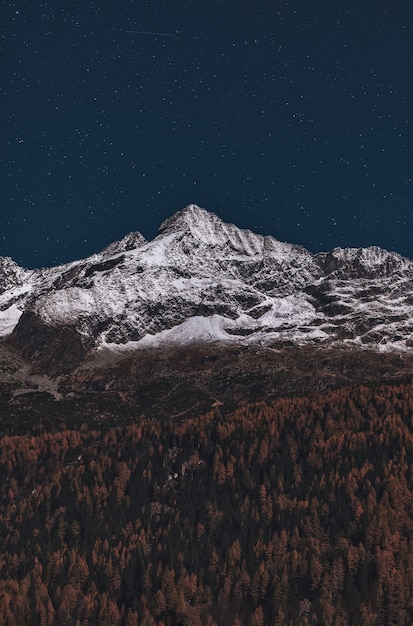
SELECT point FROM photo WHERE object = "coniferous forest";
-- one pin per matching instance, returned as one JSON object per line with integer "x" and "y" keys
{"x": 298, "y": 511}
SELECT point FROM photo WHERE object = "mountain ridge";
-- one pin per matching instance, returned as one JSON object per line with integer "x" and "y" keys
{"x": 201, "y": 280}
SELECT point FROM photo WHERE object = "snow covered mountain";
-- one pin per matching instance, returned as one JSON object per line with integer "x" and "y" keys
{"x": 202, "y": 280}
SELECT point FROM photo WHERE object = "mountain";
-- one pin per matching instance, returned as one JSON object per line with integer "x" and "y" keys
{"x": 210, "y": 427}
{"x": 201, "y": 281}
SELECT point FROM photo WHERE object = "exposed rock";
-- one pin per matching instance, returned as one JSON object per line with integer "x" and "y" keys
{"x": 54, "y": 349}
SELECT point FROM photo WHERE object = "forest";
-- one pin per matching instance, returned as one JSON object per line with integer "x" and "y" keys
{"x": 293, "y": 512}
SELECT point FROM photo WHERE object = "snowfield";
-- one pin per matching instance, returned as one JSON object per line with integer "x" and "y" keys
{"x": 201, "y": 280}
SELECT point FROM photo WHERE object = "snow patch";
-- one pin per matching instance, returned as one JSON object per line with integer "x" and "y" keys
{"x": 197, "y": 329}
{"x": 9, "y": 319}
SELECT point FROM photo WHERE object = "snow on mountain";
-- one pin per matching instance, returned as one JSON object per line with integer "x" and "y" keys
{"x": 202, "y": 280}
{"x": 11, "y": 275}
{"x": 130, "y": 242}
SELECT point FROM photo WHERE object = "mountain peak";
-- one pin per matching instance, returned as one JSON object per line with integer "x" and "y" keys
{"x": 189, "y": 217}
{"x": 129, "y": 242}
{"x": 208, "y": 230}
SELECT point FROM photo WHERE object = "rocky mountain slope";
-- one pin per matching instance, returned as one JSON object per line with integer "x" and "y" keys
{"x": 204, "y": 317}
{"x": 201, "y": 280}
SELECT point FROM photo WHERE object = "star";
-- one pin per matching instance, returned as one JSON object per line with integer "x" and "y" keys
{"x": 280, "y": 108}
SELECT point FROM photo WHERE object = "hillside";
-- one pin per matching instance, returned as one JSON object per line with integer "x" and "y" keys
{"x": 297, "y": 511}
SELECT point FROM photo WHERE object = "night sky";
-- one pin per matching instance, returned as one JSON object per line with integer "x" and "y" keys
{"x": 289, "y": 118}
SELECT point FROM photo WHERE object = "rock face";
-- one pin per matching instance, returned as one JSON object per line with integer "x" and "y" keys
{"x": 201, "y": 280}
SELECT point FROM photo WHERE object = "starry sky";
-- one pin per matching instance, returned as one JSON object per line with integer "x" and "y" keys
{"x": 291, "y": 118}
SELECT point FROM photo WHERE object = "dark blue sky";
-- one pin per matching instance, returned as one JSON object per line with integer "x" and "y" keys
{"x": 290, "y": 118}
